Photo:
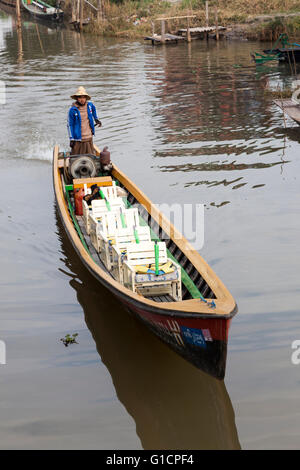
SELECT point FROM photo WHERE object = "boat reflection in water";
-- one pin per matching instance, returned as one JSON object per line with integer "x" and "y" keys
{"x": 174, "y": 405}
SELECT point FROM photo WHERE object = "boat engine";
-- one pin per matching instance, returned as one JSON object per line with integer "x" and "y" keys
{"x": 84, "y": 166}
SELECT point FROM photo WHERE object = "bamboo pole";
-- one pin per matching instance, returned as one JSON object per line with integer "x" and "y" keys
{"x": 78, "y": 10}
{"x": 20, "y": 45}
{"x": 73, "y": 6}
{"x": 283, "y": 111}
{"x": 18, "y": 12}
{"x": 39, "y": 37}
{"x": 206, "y": 13}
{"x": 163, "y": 31}
{"x": 99, "y": 12}
{"x": 81, "y": 16}
{"x": 217, "y": 23}
{"x": 188, "y": 33}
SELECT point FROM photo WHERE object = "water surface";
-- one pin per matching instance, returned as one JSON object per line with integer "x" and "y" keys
{"x": 189, "y": 124}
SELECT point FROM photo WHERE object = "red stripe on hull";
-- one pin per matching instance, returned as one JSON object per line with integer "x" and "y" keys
{"x": 215, "y": 328}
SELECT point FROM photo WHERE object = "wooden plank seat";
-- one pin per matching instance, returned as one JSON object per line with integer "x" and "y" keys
{"x": 100, "y": 181}
{"x": 123, "y": 224}
{"x": 107, "y": 241}
{"x": 103, "y": 221}
{"x": 119, "y": 248}
{"x": 92, "y": 214}
{"x": 97, "y": 222}
{"x": 141, "y": 256}
{"x": 110, "y": 192}
{"x": 128, "y": 217}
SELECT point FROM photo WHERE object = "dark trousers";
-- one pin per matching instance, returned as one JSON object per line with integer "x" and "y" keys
{"x": 81, "y": 148}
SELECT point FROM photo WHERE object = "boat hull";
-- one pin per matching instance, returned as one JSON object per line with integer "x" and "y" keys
{"x": 56, "y": 17}
{"x": 201, "y": 341}
{"x": 285, "y": 55}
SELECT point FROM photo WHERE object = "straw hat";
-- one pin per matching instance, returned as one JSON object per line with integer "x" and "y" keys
{"x": 80, "y": 92}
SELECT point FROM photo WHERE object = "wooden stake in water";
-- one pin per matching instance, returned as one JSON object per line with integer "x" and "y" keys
{"x": 20, "y": 45}
{"x": 163, "y": 31}
{"x": 73, "y": 6}
{"x": 18, "y": 12}
{"x": 206, "y": 13}
{"x": 81, "y": 16}
{"x": 100, "y": 11}
{"x": 217, "y": 23}
{"x": 188, "y": 33}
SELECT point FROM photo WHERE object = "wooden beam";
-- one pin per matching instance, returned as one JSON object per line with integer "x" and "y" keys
{"x": 175, "y": 17}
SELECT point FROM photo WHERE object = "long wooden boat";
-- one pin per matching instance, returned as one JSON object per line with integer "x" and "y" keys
{"x": 196, "y": 327}
{"x": 40, "y": 9}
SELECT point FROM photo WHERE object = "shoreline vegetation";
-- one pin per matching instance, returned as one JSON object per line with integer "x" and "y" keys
{"x": 262, "y": 20}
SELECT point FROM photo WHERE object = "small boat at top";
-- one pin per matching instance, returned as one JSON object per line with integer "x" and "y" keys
{"x": 288, "y": 52}
{"x": 40, "y": 9}
{"x": 132, "y": 249}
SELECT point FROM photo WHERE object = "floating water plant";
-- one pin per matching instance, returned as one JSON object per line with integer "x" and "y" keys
{"x": 68, "y": 339}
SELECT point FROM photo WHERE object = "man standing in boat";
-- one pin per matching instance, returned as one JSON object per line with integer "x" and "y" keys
{"x": 82, "y": 121}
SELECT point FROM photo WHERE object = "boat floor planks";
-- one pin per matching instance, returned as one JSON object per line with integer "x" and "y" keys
{"x": 92, "y": 250}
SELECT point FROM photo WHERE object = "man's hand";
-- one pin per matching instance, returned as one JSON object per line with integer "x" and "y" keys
{"x": 98, "y": 123}
{"x": 72, "y": 143}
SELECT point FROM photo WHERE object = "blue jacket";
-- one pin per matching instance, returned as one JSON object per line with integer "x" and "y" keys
{"x": 74, "y": 120}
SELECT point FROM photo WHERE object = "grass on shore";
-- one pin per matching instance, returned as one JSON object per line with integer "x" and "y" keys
{"x": 279, "y": 94}
{"x": 134, "y": 18}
